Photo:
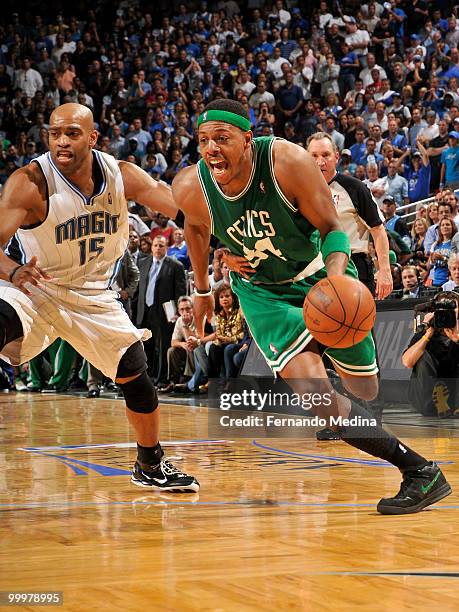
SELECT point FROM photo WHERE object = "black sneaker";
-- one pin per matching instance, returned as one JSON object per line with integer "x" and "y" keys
{"x": 420, "y": 488}
{"x": 165, "y": 477}
{"x": 76, "y": 384}
{"x": 327, "y": 434}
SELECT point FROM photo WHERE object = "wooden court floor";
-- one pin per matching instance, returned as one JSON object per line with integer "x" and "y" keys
{"x": 279, "y": 524}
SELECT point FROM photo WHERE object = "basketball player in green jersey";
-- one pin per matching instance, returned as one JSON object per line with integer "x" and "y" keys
{"x": 267, "y": 201}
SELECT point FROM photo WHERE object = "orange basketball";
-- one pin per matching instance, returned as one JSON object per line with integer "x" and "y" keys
{"x": 339, "y": 311}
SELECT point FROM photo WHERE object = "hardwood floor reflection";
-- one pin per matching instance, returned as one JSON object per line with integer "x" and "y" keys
{"x": 278, "y": 523}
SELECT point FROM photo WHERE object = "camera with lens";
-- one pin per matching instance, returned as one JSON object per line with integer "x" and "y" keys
{"x": 444, "y": 312}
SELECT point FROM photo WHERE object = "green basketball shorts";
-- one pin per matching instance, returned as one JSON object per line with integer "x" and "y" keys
{"x": 274, "y": 314}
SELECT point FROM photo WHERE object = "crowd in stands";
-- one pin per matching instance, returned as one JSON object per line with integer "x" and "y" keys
{"x": 381, "y": 79}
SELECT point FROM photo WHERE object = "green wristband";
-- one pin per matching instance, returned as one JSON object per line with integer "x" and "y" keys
{"x": 334, "y": 242}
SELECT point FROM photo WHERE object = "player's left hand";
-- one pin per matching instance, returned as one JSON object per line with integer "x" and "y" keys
{"x": 384, "y": 284}
{"x": 203, "y": 307}
{"x": 238, "y": 264}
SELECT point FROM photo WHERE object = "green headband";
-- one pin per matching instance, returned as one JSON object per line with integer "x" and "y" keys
{"x": 226, "y": 116}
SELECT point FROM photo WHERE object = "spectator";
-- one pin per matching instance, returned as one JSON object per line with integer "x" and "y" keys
{"x": 289, "y": 100}
{"x": 371, "y": 155}
{"x": 357, "y": 39}
{"x": 261, "y": 95}
{"x": 431, "y": 130}
{"x": 28, "y": 79}
{"x": 162, "y": 281}
{"x": 346, "y": 165}
{"x": 229, "y": 332}
{"x": 418, "y": 175}
{"x": 162, "y": 228}
{"x": 126, "y": 281}
{"x": 449, "y": 173}
{"x": 176, "y": 164}
{"x": 376, "y": 185}
{"x": 434, "y": 150}
{"x": 393, "y": 221}
{"x": 417, "y": 124}
{"x": 365, "y": 73}
{"x": 265, "y": 119}
{"x": 179, "y": 249}
{"x": 411, "y": 286}
{"x": 180, "y": 358}
{"x": 396, "y": 137}
{"x": 133, "y": 246}
{"x": 145, "y": 243}
{"x": 445, "y": 210}
{"x": 349, "y": 64}
{"x": 418, "y": 234}
{"x": 453, "y": 269}
{"x": 432, "y": 214}
{"x": 397, "y": 186}
{"x": 117, "y": 144}
{"x": 441, "y": 251}
{"x": 327, "y": 75}
{"x": 358, "y": 150}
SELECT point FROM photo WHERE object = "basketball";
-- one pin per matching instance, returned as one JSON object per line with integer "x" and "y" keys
{"x": 339, "y": 311}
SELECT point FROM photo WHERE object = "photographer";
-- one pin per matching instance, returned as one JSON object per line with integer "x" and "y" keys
{"x": 433, "y": 355}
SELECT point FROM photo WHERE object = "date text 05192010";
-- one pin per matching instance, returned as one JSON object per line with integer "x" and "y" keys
{"x": 31, "y": 598}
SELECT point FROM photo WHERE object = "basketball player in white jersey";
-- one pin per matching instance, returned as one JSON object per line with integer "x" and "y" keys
{"x": 64, "y": 221}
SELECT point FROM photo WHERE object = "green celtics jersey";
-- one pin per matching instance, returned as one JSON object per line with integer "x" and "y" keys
{"x": 261, "y": 224}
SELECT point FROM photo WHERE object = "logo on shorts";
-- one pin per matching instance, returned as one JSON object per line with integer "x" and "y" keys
{"x": 273, "y": 349}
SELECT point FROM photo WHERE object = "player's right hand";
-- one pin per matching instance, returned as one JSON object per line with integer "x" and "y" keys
{"x": 238, "y": 264}
{"x": 29, "y": 273}
{"x": 203, "y": 309}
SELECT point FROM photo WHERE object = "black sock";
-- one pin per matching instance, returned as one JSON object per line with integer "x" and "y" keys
{"x": 376, "y": 441}
{"x": 149, "y": 456}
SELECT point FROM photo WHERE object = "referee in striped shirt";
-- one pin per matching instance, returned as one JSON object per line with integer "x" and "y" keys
{"x": 359, "y": 215}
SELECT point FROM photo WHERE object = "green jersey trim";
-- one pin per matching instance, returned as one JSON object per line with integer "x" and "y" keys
{"x": 355, "y": 370}
{"x": 203, "y": 189}
{"x": 275, "y": 183}
{"x": 249, "y": 182}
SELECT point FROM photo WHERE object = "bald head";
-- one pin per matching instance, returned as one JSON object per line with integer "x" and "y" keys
{"x": 73, "y": 113}
{"x": 71, "y": 137}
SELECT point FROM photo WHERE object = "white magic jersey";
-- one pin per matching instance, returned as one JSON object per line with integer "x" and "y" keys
{"x": 79, "y": 244}
{"x": 82, "y": 240}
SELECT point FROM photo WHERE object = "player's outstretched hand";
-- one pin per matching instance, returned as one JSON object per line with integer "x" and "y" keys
{"x": 238, "y": 264}
{"x": 384, "y": 284}
{"x": 203, "y": 306}
{"x": 29, "y": 273}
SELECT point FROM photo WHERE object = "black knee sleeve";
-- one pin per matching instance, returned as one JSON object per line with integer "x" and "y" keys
{"x": 134, "y": 361}
{"x": 140, "y": 394}
{"x": 10, "y": 324}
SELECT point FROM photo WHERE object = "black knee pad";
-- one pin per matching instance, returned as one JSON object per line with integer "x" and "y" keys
{"x": 140, "y": 394}
{"x": 10, "y": 324}
{"x": 134, "y": 361}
